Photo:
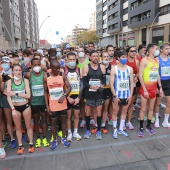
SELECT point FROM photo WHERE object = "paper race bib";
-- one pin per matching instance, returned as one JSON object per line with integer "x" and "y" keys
{"x": 153, "y": 77}
{"x": 56, "y": 93}
{"x": 94, "y": 83}
{"x": 17, "y": 99}
{"x": 74, "y": 86}
{"x": 123, "y": 85}
{"x": 38, "y": 90}
{"x": 165, "y": 71}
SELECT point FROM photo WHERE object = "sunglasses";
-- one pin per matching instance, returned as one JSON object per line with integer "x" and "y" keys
{"x": 134, "y": 51}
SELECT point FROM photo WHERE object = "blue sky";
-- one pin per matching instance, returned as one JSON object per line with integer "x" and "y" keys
{"x": 65, "y": 14}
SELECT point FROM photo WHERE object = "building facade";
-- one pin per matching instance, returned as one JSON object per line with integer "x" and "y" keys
{"x": 17, "y": 26}
{"x": 75, "y": 32}
{"x": 93, "y": 22}
{"x": 132, "y": 22}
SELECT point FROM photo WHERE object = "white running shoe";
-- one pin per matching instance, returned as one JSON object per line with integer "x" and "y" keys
{"x": 82, "y": 124}
{"x": 130, "y": 126}
{"x": 166, "y": 125}
{"x": 156, "y": 124}
{"x": 2, "y": 153}
{"x": 69, "y": 137}
{"x": 92, "y": 122}
{"x": 77, "y": 136}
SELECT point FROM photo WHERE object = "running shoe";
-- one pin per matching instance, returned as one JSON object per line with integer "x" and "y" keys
{"x": 133, "y": 116}
{"x": 53, "y": 145}
{"x": 150, "y": 130}
{"x": 77, "y": 136}
{"x": 45, "y": 142}
{"x": 153, "y": 119}
{"x": 102, "y": 125}
{"x": 140, "y": 133}
{"x": 166, "y": 125}
{"x": 130, "y": 126}
{"x": 94, "y": 130}
{"x": 110, "y": 122}
{"x": 124, "y": 127}
{"x": 122, "y": 132}
{"x": 51, "y": 140}
{"x": 156, "y": 124}
{"x": 69, "y": 137}
{"x": 98, "y": 135}
{"x": 92, "y": 121}
{"x": 60, "y": 134}
{"x": 115, "y": 134}
{"x": 104, "y": 130}
{"x": 65, "y": 142}
{"x": 13, "y": 144}
{"x": 31, "y": 149}
{"x": 20, "y": 150}
{"x": 38, "y": 143}
{"x": 87, "y": 134}
{"x": 161, "y": 106}
{"x": 4, "y": 143}
{"x": 82, "y": 124}
{"x": 137, "y": 106}
{"x": 107, "y": 119}
{"x": 2, "y": 153}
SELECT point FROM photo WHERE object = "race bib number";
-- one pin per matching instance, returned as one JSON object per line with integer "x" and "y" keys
{"x": 38, "y": 90}
{"x": 94, "y": 83}
{"x": 56, "y": 93}
{"x": 74, "y": 86}
{"x": 153, "y": 77}
{"x": 123, "y": 85}
{"x": 107, "y": 80}
{"x": 165, "y": 71}
{"x": 17, "y": 99}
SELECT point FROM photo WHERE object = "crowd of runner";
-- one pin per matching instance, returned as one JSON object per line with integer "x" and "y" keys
{"x": 45, "y": 90}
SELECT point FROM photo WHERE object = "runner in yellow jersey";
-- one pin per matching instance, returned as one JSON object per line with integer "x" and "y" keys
{"x": 149, "y": 77}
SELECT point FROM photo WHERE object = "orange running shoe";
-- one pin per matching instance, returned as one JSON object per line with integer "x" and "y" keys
{"x": 31, "y": 149}
{"x": 20, "y": 150}
{"x": 94, "y": 130}
{"x": 104, "y": 130}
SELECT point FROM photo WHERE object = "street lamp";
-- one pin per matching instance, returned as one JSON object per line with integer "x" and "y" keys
{"x": 47, "y": 33}
{"x": 43, "y": 22}
{"x": 151, "y": 27}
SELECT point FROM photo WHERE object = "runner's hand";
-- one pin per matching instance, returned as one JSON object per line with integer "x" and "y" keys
{"x": 76, "y": 101}
{"x": 129, "y": 99}
{"x": 14, "y": 113}
{"x": 61, "y": 99}
{"x": 116, "y": 100}
{"x": 146, "y": 94}
{"x": 49, "y": 111}
{"x": 70, "y": 100}
{"x": 11, "y": 93}
{"x": 161, "y": 92}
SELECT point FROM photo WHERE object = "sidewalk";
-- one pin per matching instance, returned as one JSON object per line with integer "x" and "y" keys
{"x": 131, "y": 153}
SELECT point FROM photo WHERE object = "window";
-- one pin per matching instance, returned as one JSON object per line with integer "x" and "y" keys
{"x": 125, "y": 23}
{"x": 141, "y": 17}
{"x": 105, "y": 30}
{"x": 165, "y": 10}
{"x": 111, "y": 27}
{"x": 113, "y": 5}
{"x": 125, "y": 11}
{"x": 138, "y": 3}
{"x": 105, "y": 21}
{"x": 105, "y": 12}
{"x": 113, "y": 16}
{"x": 105, "y": 3}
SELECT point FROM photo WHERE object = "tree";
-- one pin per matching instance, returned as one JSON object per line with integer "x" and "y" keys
{"x": 87, "y": 36}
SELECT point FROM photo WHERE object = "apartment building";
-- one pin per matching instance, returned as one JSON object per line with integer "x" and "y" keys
{"x": 133, "y": 22}
{"x": 92, "y": 22}
{"x": 17, "y": 26}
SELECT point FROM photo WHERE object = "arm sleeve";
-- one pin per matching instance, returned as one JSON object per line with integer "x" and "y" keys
{"x": 81, "y": 89}
{"x": 86, "y": 84}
